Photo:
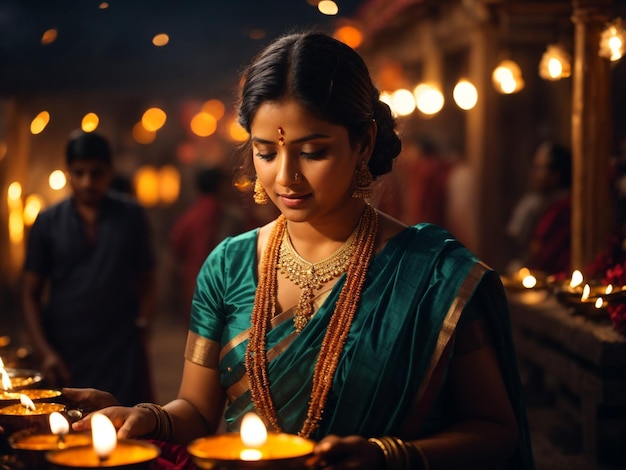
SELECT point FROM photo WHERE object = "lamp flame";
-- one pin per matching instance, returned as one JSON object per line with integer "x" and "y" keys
{"x": 586, "y": 292}
{"x": 253, "y": 436}
{"x": 608, "y": 289}
{"x": 577, "y": 279}
{"x": 6, "y": 380}
{"x": 58, "y": 424}
{"x": 529, "y": 281}
{"x": 27, "y": 402}
{"x": 599, "y": 302}
{"x": 103, "y": 435}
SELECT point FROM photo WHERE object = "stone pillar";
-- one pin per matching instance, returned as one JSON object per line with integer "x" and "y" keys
{"x": 592, "y": 214}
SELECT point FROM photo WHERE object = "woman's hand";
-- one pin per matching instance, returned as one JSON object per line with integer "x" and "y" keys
{"x": 130, "y": 422}
{"x": 351, "y": 452}
{"x": 88, "y": 399}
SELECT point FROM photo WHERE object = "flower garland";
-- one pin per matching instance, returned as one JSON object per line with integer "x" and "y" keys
{"x": 610, "y": 266}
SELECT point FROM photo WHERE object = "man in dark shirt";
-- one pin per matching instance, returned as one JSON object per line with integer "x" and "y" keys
{"x": 89, "y": 281}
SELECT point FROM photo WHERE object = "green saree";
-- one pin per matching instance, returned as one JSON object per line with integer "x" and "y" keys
{"x": 390, "y": 377}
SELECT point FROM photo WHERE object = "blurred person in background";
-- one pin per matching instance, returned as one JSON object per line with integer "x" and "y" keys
{"x": 540, "y": 225}
{"x": 88, "y": 287}
{"x": 205, "y": 223}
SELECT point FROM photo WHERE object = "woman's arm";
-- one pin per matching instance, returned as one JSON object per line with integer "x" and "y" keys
{"x": 196, "y": 412}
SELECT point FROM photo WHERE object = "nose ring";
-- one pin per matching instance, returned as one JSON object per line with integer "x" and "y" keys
{"x": 296, "y": 176}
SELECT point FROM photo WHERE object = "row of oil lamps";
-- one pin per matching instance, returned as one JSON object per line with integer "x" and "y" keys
{"x": 36, "y": 424}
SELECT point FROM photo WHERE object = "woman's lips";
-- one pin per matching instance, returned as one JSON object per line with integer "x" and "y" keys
{"x": 293, "y": 200}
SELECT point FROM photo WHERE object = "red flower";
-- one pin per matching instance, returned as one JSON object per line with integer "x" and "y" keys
{"x": 617, "y": 313}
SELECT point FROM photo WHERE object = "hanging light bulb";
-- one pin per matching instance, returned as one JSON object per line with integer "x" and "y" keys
{"x": 465, "y": 94}
{"x": 507, "y": 77}
{"x": 612, "y": 41}
{"x": 555, "y": 63}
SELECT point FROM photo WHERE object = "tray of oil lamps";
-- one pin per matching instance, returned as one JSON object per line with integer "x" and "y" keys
{"x": 24, "y": 378}
{"x": 590, "y": 293}
{"x": 11, "y": 397}
{"x": 17, "y": 417}
{"x": 30, "y": 448}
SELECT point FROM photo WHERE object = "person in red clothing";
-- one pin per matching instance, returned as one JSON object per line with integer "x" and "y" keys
{"x": 206, "y": 222}
{"x": 541, "y": 222}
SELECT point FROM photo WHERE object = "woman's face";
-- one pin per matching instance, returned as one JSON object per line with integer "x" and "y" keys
{"x": 305, "y": 164}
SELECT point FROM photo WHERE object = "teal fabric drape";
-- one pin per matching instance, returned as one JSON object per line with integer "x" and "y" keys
{"x": 412, "y": 301}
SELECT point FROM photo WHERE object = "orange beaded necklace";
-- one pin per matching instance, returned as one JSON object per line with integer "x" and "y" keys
{"x": 336, "y": 332}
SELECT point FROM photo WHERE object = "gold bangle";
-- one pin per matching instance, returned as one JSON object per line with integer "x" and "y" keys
{"x": 164, "y": 428}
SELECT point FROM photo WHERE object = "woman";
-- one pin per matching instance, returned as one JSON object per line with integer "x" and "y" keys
{"x": 335, "y": 321}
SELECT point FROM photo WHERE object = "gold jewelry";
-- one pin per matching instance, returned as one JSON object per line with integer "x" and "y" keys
{"x": 336, "y": 331}
{"x": 401, "y": 454}
{"x": 281, "y": 137}
{"x": 260, "y": 196}
{"x": 311, "y": 276}
{"x": 364, "y": 179}
{"x": 164, "y": 428}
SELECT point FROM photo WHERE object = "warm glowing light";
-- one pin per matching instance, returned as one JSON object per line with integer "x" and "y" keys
{"x": 599, "y": 303}
{"x": 612, "y": 41}
{"x": 465, "y": 94}
{"x": 143, "y": 135}
{"x": 3, "y": 150}
{"x": 169, "y": 184}
{"x": 328, "y": 7}
{"x": 349, "y": 35}
{"x": 160, "y": 40}
{"x": 90, "y": 122}
{"x": 243, "y": 183}
{"x": 147, "y": 185}
{"x": 103, "y": 435}
{"x": 529, "y": 281}
{"x": 555, "y": 63}
{"x": 253, "y": 436}
{"x": 402, "y": 102}
{"x": 153, "y": 119}
{"x": 608, "y": 289}
{"x": 32, "y": 206}
{"x": 236, "y": 132}
{"x": 586, "y": 292}
{"x": 257, "y": 34}
{"x": 428, "y": 98}
{"x": 39, "y": 123}
{"x": 203, "y": 124}
{"x": 57, "y": 180}
{"x": 26, "y": 402}
{"x": 16, "y": 226}
{"x": 58, "y": 424}
{"x": 385, "y": 97}
{"x": 103, "y": 6}
{"x": 214, "y": 107}
{"x": 507, "y": 77}
{"x": 6, "y": 380}
{"x": 14, "y": 192}
{"x": 49, "y": 36}
{"x": 577, "y": 279}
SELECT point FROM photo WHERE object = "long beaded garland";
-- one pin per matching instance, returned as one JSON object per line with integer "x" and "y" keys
{"x": 336, "y": 333}
{"x": 311, "y": 276}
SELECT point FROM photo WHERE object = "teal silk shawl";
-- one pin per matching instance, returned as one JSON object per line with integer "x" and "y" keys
{"x": 393, "y": 367}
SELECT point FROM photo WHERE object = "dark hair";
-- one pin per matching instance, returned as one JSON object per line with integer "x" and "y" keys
{"x": 328, "y": 78}
{"x": 87, "y": 146}
{"x": 560, "y": 161}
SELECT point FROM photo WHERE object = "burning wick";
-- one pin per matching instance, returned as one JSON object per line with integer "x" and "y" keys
{"x": 577, "y": 279}
{"x": 586, "y": 292}
{"x": 27, "y": 402}
{"x": 103, "y": 435}
{"x": 253, "y": 436}
{"x": 59, "y": 426}
{"x": 6, "y": 380}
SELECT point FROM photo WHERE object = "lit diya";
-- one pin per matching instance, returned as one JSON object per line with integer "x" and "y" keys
{"x": 19, "y": 378}
{"x": 30, "y": 448}
{"x": 590, "y": 298}
{"x": 254, "y": 448}
{"x": 105, "y": 450}
{"x": 27, "y": 415}
{"x": 527, "y": 285}
{"x": 10, "y": 397}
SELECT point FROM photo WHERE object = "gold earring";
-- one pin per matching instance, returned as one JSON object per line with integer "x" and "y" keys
{"x": 364, "y": 179}
{"x": 260, "y": 196}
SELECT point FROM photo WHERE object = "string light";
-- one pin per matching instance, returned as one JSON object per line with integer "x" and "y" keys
{"x": 555, "y": 63}
{"x": 612, "y": 41}
{"x": 507, "y": 77}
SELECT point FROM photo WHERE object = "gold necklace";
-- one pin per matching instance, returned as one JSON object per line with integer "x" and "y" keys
{"x": 311, "y": 276}
{"x": 336, "y": 332}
